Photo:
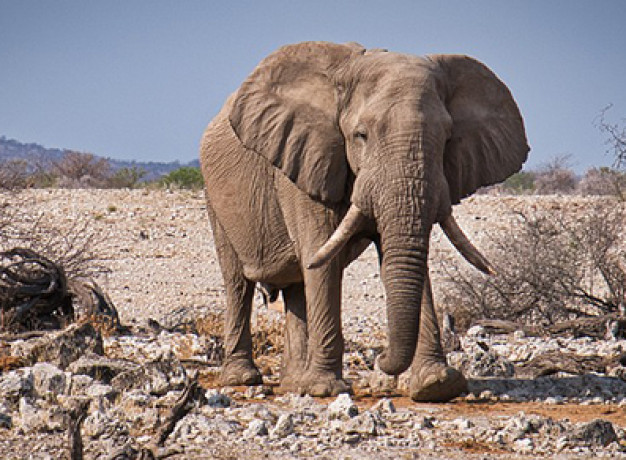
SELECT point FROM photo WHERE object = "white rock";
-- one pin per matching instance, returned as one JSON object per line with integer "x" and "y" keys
{"x": 79, "y": 384}
{"x": 554, "y": 400}
{"x": 366, "y": 423}
{"x": 384, "y": 406}
{"x": 35, "y": 418}
{"x": 518, "y": 335}
{"x": 283, "y": 427}
{"x": 424, "y": 423}
{"x": 475, "y": 331}
{"x": 255, "y": 428}
{"x": 342, "y": 407}
{"x": 48, "y": 378}
{"x": 524, "y": 445}
{"x": 101, "y": 391}
{"x": 15, "y": 384}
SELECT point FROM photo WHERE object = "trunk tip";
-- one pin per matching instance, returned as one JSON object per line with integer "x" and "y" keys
{"x": 391, "y": 367}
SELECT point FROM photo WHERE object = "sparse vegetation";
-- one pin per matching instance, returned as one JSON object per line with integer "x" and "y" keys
{"x": 127, "y": 177}
{"x": 551, "y": 266}
{"x": 603, "y": 181}
{"x": 555, "y": 177}
{"x": 81, "y": 170}
{"x": 186, "y": 177}
{"x": 42, "y": 268}
{"x": 520, "y": 183}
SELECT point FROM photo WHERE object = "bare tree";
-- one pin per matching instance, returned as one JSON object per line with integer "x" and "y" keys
{"x": 555, "y": 177}
{"x": 81, "y": 170}
{"x": 14, "y": 174}
{"x": 603, "y": 181}
{"x": 616, "y": 138}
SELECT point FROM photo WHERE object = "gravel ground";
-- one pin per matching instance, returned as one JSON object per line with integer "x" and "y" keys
{"x": 158, "y": 248}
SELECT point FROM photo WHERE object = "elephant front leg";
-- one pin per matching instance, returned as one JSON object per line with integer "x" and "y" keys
{"x": 323, "y": 376}
{"x": 432, "y": 380}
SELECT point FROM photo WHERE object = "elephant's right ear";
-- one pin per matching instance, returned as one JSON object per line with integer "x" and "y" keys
{"x": 287, "y": 111}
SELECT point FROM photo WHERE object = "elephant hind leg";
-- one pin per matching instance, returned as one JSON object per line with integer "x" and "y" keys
{"x": 239, "y": 367}
{"x": 296, "y": 337}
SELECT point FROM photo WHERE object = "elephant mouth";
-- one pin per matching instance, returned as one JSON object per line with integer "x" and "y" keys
{"x": 354, "y": 219}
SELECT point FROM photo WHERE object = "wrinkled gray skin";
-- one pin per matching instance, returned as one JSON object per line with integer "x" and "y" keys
{"x": 319, "y": 128}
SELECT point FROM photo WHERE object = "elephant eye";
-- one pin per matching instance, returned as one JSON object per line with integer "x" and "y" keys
{"x": 361, "y": 135}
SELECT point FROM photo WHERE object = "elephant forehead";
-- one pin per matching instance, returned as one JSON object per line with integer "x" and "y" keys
{"x": 387, "y": 67}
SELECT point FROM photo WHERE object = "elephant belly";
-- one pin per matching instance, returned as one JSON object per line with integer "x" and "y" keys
{"x": 240, "y": 190}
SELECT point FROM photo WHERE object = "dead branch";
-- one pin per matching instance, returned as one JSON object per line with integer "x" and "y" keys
{"x": 583, "y": 327}
{"x": 180, "y": 409}
{"x": 33, "y": 291}
{"x": 77, "y": 417}
{"x": 191, "y": 393}
{"x": 35, "y": 294}
{"x": 555, "y": 361}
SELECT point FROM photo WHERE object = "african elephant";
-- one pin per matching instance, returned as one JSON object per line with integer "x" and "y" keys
{"x": 326, "y": 148}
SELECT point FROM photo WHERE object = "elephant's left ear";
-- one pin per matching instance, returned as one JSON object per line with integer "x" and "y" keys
{"x": 488, "y": 140}
{"x": 287, "y": 112}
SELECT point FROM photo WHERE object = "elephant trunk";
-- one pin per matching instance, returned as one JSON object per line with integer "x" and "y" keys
{"x": 404, "y": 213}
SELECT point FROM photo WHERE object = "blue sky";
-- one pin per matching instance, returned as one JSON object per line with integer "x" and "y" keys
{"x": 141, "y": 79}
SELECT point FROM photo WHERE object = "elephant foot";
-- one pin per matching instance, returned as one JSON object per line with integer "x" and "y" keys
{"x": 240, "y": 372}
{"x": 319, "y": 384}
{"x": 436, "y": 383}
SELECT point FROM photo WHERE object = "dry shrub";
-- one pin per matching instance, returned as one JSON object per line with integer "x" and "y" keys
{"x": 603, "y": 181}
{"x": 14, "y": 174}
{"x": 267, "y": 337}
{"x": 46, "y": 270}
{"x": 76, "y": 248}
{"x": 267, "y": 334}
{"x": 551, "y": 266}
{"x": 82, "y": 170}
{"x": 555, "y": 177}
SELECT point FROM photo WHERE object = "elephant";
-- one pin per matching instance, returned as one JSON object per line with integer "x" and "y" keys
{"x": 326, "y": 148}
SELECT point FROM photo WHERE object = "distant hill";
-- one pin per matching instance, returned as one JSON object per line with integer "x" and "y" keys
{"x": 11, "y": 149}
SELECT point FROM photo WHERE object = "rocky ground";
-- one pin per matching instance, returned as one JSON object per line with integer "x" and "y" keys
{"x": 164, "y": 280}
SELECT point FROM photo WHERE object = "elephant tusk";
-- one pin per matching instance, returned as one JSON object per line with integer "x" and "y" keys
{"x": 348, "y": 226}
{"x": 464, "y": 246}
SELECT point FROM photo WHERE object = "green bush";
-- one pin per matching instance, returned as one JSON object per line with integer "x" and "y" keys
{"x": 521, "y": 182}
{"x": 186, "y": 177}
{"x": 127, "y": 177}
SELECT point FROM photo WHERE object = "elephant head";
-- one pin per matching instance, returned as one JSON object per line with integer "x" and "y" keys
{"x": 400, "y": 138}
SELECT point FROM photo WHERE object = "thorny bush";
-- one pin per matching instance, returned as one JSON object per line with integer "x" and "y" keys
{"x": 551, "y": 266}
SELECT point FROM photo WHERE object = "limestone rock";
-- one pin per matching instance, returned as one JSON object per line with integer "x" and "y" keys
{"x": 255, "y": 428}
{"x": 33, "y": 417}
{"x": 100, "y": 367}
{"x": 284, "y": 426}
{"x": 60, "y": 348}
{"x": 15, "y": 384}
{"x": 342, "y": 408}
{"x": 48, "y": 378}
{"x": 597, "y": 433}
{"x": 155, "y": 377}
